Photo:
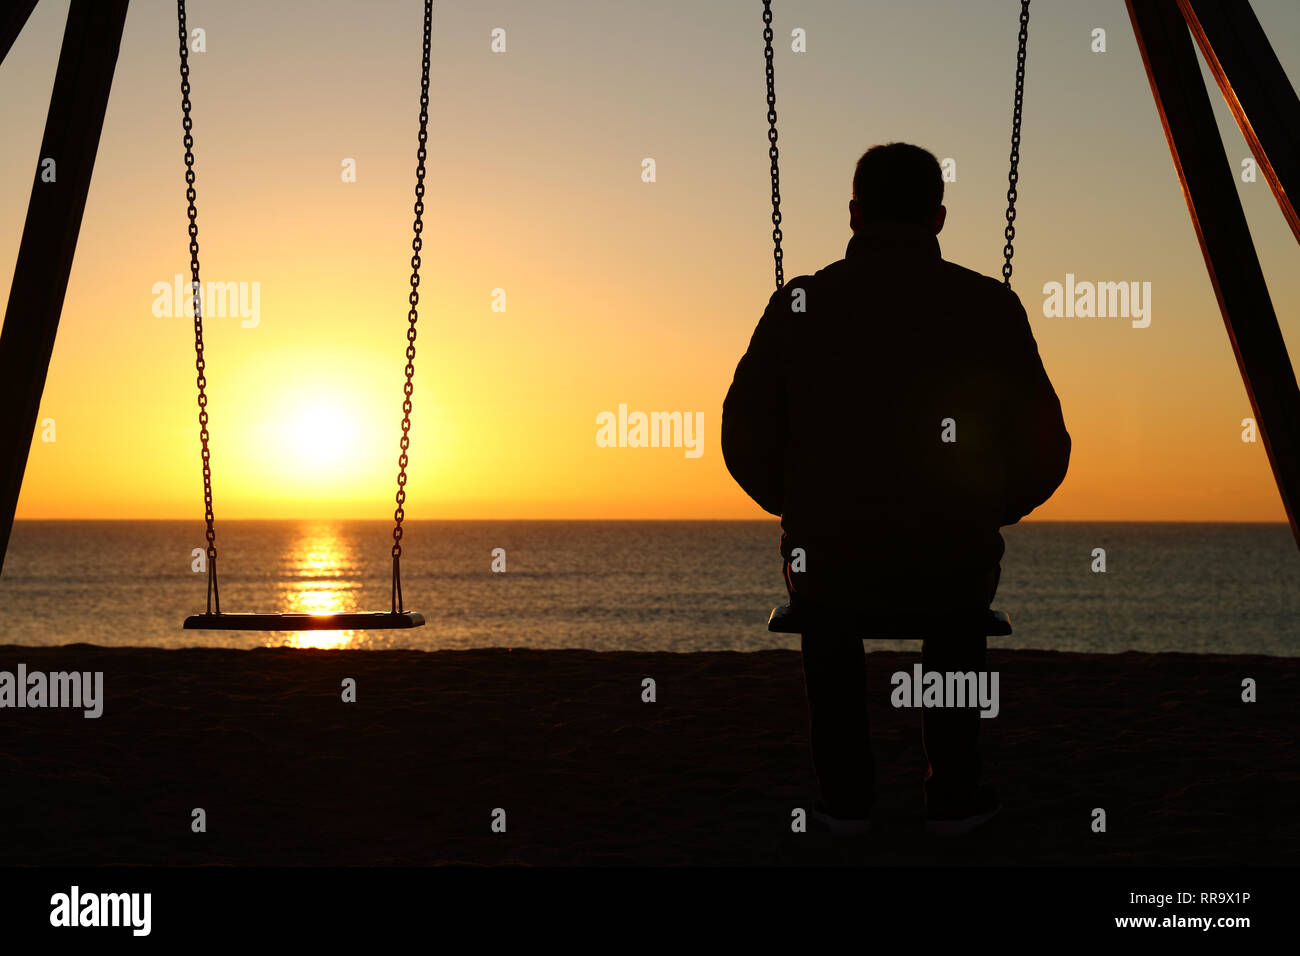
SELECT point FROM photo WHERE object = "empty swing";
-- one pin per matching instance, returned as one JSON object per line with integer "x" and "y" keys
{"x": 214, "y": 618}
{"x": 877, "y": 623}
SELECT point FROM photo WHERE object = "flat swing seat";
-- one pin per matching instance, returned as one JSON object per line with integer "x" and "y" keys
{"x": 349, "y": 621}
{"x": 901, "y": 625}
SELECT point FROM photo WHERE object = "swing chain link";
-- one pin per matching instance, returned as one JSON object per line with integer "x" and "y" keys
{"x": 1013, "y": 175}
{"x": 772, "y": 150}
{"x": 413, "y": 315}
{"x": 200, "y": 364}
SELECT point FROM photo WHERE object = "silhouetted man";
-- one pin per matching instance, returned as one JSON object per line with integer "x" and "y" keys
{"x": 893, "y": 410}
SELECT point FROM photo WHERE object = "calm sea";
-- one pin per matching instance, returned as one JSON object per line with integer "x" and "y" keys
{"x": 616, "y": 585}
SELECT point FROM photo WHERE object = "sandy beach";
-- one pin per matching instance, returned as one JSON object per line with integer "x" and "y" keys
{"x": 588, "y": 773}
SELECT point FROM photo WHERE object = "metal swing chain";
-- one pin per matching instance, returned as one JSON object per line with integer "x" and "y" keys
{"x": 772, "y": 150}
{"x": 412, "y": 316}
{"x": 1013, "y": 175}
{"x": 214, "y": 596}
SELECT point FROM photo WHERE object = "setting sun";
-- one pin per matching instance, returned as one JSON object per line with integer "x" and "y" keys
{"x": 321, "y": 434}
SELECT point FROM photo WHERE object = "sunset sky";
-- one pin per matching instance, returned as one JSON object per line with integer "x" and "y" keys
{"x": 617, "y": 291}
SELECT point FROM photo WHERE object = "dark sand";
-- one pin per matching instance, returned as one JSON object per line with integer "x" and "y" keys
{"x": 588, "y": 774}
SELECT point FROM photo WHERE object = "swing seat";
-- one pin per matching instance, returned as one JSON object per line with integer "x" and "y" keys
{"x": 891, "y": 624}
{"x": 346, "y": 621}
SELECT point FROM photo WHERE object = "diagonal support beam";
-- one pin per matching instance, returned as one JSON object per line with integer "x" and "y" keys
{"x": 1209, "y": 185}
{"x": 12, "y": 20}
{"x": 86, "y": 63}
{"x": 1256, "y": 89}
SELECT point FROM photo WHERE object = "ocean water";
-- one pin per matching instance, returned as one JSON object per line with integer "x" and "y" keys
{"x": 620, "y": 585}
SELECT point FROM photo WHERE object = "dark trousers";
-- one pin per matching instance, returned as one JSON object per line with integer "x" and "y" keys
{"x": 835, "y": 676}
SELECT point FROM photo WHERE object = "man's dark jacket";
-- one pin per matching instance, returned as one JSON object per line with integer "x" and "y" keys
{"x": 836, "y": 417}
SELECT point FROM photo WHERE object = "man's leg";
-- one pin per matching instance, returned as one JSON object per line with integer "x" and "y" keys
{"x": 835, "y": 676}
{"x": 951, "y": 734}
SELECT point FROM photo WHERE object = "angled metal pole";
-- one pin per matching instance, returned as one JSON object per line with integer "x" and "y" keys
{"x": 12, "y": 19}
{"x": 1257, "y": 90}
{"x": 1209, "y": 185}
{"x": 72, "y": 127}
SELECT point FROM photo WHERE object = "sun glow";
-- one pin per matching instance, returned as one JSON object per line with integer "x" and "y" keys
{"x": 322, "y": 435}
{"x": 313, "y": 444}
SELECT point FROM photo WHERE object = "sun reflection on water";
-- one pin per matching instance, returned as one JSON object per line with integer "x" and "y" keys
{"x": 320, "y": 567}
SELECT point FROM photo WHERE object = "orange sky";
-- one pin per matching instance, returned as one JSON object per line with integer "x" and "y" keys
{"x": 617, "y": 291}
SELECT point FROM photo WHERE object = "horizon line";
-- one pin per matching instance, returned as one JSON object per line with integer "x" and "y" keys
{"x": 772, "y": 518}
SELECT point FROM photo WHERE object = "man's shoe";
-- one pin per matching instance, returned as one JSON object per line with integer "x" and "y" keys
{"x": 840, "y": 826}
{"x": 959, "y": 819}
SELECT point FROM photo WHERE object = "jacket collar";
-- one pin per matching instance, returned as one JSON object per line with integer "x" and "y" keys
{"x": 897, "y": 239}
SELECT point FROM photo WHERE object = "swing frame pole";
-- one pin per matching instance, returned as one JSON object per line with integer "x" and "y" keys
{"x": 1164, "y": 35}
{"x": 11, "y": 23}
{"x": 1256, "y": 89}
{"x": 87, "y": 61}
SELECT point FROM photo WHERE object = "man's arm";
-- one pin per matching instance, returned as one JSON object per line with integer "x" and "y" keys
{"x": 1036, "y": 443}
{"x": 755, "y": 425}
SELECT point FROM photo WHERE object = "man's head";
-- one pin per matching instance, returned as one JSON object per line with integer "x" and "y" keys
{"x": 897, "y": 183}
